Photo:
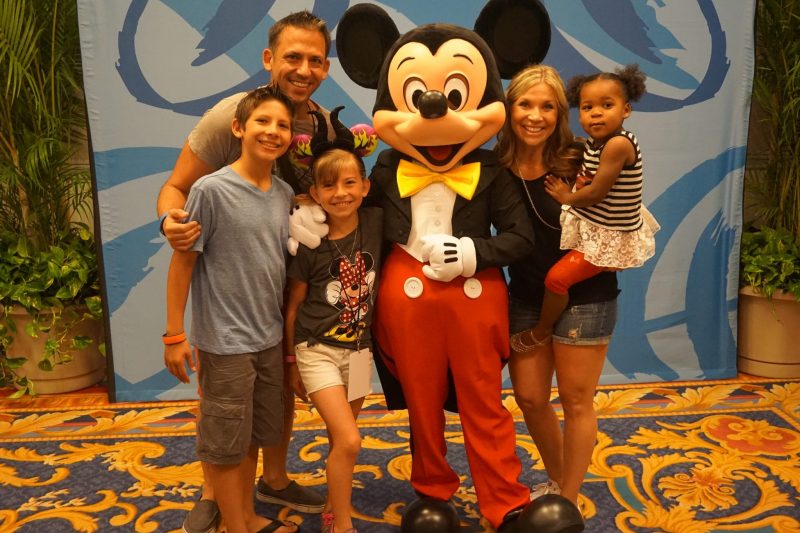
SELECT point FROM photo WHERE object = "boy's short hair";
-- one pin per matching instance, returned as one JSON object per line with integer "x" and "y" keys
{"x": 304, "y": 20}
{"x": 326, "y": 167}
{"x": 258, "y": 96}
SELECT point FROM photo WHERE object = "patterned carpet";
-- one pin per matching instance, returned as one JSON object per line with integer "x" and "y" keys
{"x": 679, "y": 457}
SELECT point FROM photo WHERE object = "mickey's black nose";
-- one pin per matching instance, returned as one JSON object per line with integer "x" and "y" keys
{"x": 432, "y": 104}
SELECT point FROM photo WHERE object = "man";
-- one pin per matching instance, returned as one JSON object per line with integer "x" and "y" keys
{"x": 297, "y": 60}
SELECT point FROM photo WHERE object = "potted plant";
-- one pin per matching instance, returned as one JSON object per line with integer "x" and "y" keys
{"x": 769, "y": 299}
{"x": 49, "y": 283}
{"x": 51, "y": 314}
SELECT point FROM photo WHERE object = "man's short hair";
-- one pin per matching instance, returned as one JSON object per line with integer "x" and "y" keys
{"x": 301, "y": 19}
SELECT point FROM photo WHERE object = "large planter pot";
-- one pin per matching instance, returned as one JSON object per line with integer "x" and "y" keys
{"x": 87, "y": 367}
{"x": 768, "y": 334}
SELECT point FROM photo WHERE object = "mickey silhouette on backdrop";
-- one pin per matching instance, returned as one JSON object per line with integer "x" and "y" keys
{"x": 442, "y": 300}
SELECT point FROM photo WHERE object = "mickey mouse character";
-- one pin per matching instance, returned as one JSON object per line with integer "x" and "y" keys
{"x": 442, "y": 300}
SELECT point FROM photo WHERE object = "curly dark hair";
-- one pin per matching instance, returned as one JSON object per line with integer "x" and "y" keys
{"x": 629, "y": 77}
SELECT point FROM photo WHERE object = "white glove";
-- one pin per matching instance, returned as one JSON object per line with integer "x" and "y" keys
{"x": 306, "y": 226}
{"x": 448, "y": 257}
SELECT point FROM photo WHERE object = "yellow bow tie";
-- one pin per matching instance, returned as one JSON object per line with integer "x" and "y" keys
{"x": 412, "y": 178}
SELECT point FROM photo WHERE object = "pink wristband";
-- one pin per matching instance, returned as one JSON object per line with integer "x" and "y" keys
{"x": 289, "y": 358}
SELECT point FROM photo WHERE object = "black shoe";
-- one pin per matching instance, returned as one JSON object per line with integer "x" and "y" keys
{"x": 294, "y": 496}
{"x": 202, "y": 518}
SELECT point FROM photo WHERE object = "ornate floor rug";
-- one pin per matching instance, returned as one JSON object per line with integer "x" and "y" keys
{"x": 683, "y": 457}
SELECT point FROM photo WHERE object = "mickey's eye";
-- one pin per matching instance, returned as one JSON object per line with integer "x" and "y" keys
{"x": 456, "y": 90}
{"x": 413, "y": 90}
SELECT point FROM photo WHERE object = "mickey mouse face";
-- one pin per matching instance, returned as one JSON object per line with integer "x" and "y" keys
{"x": 436, "y": 96}
{"x": 439, "y": 93}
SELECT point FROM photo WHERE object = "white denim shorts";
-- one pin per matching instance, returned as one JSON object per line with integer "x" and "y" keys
{"x": 322, "y": 366}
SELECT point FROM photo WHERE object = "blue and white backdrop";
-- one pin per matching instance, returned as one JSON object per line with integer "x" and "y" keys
{"x": 151, "y": 67}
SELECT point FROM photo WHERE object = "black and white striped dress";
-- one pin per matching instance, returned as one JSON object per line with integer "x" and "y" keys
{"x": 618, "y": 231}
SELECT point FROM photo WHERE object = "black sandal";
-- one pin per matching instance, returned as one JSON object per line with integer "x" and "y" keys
{"x": 277, "y": 524}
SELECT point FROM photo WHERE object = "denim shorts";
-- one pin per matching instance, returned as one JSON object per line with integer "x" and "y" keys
{"x": 582, "y": 324}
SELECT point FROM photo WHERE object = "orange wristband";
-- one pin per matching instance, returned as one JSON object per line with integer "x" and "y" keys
{"x": 173, "y": 339}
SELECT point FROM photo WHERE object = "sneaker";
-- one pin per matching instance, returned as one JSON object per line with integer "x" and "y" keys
{"x": 548, "y": 487}
{"x": 202, "y": 518}
{"x": 327, "y": 522}
{"x": 294, "y": 496}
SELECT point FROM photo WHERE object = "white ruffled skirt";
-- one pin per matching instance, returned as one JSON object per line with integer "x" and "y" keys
{"x": 609, "y": 248}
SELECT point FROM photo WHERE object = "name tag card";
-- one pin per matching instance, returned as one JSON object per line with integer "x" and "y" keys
{"x": 360, "y": 378}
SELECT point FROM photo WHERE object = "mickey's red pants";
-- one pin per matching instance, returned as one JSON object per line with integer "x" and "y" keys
{"x": 444, "y": 329}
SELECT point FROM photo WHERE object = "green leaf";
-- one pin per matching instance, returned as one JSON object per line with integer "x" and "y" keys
{"x": 95, "y": 306}
{"x": 32, "y": 329}
{"x": 22, "y": 247}
{"x": 50, "y": 347}
{"x": 18, "y": 394}
{"x": 14, "y": 362}
{"x": 81, "y": 341}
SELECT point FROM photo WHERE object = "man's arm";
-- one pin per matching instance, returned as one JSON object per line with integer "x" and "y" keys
{"x": 172, "y": 197}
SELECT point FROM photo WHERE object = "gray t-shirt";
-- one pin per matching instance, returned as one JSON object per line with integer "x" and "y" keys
{"x": 238, "y": 280}
{"x": 214, "y": 143}
{"x": 341, "y": 292}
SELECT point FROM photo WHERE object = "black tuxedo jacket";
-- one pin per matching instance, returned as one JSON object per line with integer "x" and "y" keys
{"x": 496, "y": 202}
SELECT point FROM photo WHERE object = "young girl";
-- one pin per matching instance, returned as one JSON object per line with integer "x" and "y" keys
{"x": 328, "y": 315}
{"x": 603, "y": 221}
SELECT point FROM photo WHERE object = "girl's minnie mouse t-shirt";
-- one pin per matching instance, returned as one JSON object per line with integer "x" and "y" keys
{"x": 342, "y": 278}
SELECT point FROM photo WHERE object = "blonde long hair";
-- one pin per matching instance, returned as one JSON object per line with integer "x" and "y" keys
{"x": 561, "y": 155}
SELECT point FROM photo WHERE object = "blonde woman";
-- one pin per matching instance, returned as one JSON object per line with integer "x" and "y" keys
{"x": 536, "y": 142}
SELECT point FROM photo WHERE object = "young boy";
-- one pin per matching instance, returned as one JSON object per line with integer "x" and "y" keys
{"x": 237, "y": 272}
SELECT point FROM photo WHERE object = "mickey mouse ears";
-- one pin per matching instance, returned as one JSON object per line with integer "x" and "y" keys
{"x": 363, "y": 36}
{"x": 518, "y": 31}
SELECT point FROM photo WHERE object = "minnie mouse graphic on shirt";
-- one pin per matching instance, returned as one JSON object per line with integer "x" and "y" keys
{"x": 351, "y": 292}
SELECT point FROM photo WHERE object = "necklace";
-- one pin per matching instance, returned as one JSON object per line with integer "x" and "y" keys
{"x": 352, "y": 249}
{"x": 530, "y": 200}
